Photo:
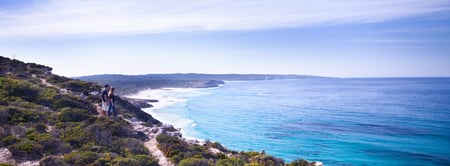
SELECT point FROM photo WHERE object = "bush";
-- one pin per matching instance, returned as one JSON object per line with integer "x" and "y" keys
{"x": 118, "y": 127}
{"x": 62, "y": 101}
{"x": 145, "y": 160}
{"x": 52, "y": 161}
{"x": 40, "y": 127}
{"x": 20, "y": 115}
{"x": 177, "y": 150}
{"x": 72, "y": 115}
{"x": 124, "y": 161}
{"x": 47, "y": 96}
{"x": 14, "y": 89}
{"x": 299, "y": 162}
{"x": 6, "y": 164}
{"x": 232, "y": 161}
{"x": 9, "y": 140}
{"x": 27, "y": 149}
{"x": 194, "y": 162}
{"x": 129, "y": 147}
{"x": 100, "y": 134}
{"x": 55, "y": 79}
{"x": 81, "y": 157}
{"x": 266, "y": 160}
{"x": 75, "y": 136}
{"x": 79, "y": 86}
{"x": 35, "y": 136}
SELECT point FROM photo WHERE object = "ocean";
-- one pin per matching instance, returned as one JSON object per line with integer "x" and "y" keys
{"x": 370, "y": 121}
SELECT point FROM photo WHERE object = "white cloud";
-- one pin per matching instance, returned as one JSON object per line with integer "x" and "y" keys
{"x": 113, "y": 17}
{"x": 399, "y": 41}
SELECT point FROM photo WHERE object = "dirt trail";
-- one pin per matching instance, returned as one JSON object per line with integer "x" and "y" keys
{"x": 152, "y": 145}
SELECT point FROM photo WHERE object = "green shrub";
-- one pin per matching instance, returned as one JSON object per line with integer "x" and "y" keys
{"x": 35, "y": 136}
{"x": 145, "y": 160}
{"x": 14, "y": 89}
{"x": 27, "y": 149}
{"x": 266, "y": 160}
{"x": 79, "y": 86}
{"x": 9, "y": 140}
{"x": 299, "y": 162}
{"x": 20, "y": 115}
{"x": 105, "y": 158}
{"x": 46, "y": 97}
{"x": 52, "y": 161}
{"x": 118, "y": 127}
{"x": 72, "y": 115}
{"x": 40, "y": 127}
{"x": 221, "y": 156}
{"x": 6, "y": 164}
{"x": 194, "y": 162}
{"x": 177, "y": 150}
{"x": 54, "y": 146}
{"x": 75, "y": 136}
{"x": 232, "y": 161}
{"x": 81, "y": 157}
{"x": 124, "y": 161}
{"x": 62, "y": 101}
{"x": 129, "y": 147}
{"x": 55, "y": 79}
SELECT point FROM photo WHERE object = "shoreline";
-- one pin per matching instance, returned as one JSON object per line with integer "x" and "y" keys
{"x": 166, "y": 98}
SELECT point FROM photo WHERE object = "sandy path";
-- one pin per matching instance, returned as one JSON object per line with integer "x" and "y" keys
{"x": 152, "y": 145}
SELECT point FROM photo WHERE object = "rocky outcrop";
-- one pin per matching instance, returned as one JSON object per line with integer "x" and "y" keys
{"x": 6, "y": 156}
{"x": 136, "y": 112}
{"x": 141, "y": 103}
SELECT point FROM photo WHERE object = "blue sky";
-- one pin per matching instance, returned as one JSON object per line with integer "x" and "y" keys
{"x": 352, "y": 38}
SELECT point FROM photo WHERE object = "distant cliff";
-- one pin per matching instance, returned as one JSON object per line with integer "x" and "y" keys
{"x": 133, "y": 83}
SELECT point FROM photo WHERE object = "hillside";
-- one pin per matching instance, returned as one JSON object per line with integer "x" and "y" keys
{"x": 133, "y": 83}
{"x": 46, "y": 119}
{"x": 53, "y": 120}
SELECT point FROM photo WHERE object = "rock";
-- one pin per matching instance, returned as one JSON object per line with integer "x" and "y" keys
{"x": 94, "y": 93}
{"x": 316, "y": 163}
{"x": 154, "y": 130}
{"x": 175, "y": 134}
{"x": 141, "y": 103}
{"x": 29, "y": 163}
{"x": 6, "y": 156}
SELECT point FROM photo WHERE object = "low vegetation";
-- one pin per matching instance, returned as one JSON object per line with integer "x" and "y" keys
{"x": 53, "y": 119}
{"x": 185, "y": 154}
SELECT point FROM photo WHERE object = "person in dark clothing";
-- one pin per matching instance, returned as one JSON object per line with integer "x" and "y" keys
{"x": 112, "y": 102}
{"x": 105, "y": 100}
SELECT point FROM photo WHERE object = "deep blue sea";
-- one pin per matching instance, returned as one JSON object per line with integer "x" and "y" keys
{"x": 336, "y": 121}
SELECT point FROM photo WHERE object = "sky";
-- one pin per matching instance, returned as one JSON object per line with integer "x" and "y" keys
{"x": 337, "y": 38}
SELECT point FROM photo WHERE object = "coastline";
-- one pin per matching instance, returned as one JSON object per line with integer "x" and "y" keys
{"x": 166, "y": 98}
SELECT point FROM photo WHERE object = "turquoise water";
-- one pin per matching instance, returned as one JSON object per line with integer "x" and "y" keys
{"x": 335, "y": 121}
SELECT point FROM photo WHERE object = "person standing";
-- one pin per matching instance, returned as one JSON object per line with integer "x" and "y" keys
{"x": 105, "y": 100}
{"x": 112, "y": 102}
